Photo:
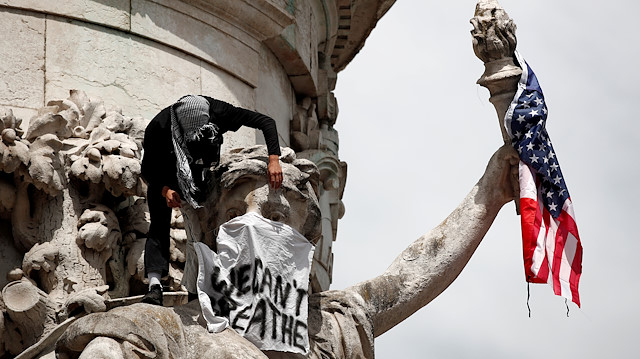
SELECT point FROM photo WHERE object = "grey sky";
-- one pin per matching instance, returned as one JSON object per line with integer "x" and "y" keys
{"x": 417, "y": 133}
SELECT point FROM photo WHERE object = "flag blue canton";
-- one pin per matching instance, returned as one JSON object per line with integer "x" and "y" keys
{"x": 531, "y": 140}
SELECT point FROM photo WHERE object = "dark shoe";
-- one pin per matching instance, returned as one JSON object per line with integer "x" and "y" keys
{"x": 192, "y": 296}
{"x": 154, "y": 296}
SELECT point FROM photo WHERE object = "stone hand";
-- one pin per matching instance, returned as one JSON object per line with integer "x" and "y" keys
{"x": 274, "y": 172}
{"x": 500, "y": 180}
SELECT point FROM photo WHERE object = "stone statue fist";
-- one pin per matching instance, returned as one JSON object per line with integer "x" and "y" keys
{"x": 500, "y": 179}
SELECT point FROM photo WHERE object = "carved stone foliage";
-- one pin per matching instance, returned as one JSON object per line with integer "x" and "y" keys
{"x": 305, "y": 128}
{"x": 13, "y": 151}
{"x": 63, "y": 184}
{"x": 317, "y": 141}
{"x": 308, "y": 132}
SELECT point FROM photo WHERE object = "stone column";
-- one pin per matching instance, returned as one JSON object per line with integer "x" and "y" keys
{"x": 314, "y": 138}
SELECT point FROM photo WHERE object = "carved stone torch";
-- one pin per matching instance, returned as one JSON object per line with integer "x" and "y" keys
{"x": 494, "y": 42}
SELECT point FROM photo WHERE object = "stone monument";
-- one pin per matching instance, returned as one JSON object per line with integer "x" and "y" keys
{"x": 73, "y": 218}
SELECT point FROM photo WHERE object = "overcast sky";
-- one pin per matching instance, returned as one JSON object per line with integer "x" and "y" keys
{"x": 417, "y": 133}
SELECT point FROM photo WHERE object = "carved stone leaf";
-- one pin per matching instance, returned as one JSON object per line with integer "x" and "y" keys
{"x": 127, "y": 145}
{"x": 93, "y": 114}
{"x": 12, "y": 155}
{"x": 92, "y": 111}
{"x": 121, "y": 174}
{"x": 93, "y": 235}
{"x": 99, "y": 134}
{"x": 91, "y": 300}
{"x": 135, "y": 259}
{"x": 68, "y": 110}
{"x": 136, "y": 131}
{"x": 74, "y": 147}
{"x": 115, "y": 122}
{"x": 48, "y": 123}
{"x": 92, "y": 215}
{"x": 86, "y": 170}
{"x": 40, "y": 257}
{"x": 98, "y": 228}
{"x": 108, "y": 146}
{"x": 45, "y": 166}
{"x": 8, "y": 120}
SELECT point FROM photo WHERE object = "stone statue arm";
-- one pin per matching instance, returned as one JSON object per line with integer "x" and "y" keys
{"x": 431, "y": 263}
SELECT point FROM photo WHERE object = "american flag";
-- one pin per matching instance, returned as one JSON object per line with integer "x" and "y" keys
{"x": 551, "y": 244}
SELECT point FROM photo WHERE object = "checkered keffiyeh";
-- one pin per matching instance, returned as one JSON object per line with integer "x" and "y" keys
{"x": 189, "y": 122}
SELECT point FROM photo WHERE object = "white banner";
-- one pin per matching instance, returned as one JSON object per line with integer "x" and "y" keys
{"x": 257, "y": 283}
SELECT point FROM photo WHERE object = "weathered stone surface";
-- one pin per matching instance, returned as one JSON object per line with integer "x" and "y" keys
{"x": 195, "y": 37}
{"x": 99, "y": 60}
{"x": 179, "y": 334}
{"x": 296, "y": 47}
{"x": 90, "y": 300}
{"x": 114, "y": 13}
{"x": 25, "y": 114}
{"x": 356, "y": 20}
{"x": 103, "y": 348}
{"x": 250, "y": 21}
{"x": 221, "y": 85}
{"x": 13, "y": 151}
{"x": 274, "y": 95}
{"x": 29, "y": 312}
{"x": 494, "y": 42}
{"x": 69, "y": 238}
{"x": 10, "y": 256}
{"x": 98, "y": 229}
{"x": 22, "y": 53}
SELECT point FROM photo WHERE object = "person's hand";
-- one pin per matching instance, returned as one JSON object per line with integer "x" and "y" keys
{"x": 274, "y": 171}
{"x": 173, "y": 198}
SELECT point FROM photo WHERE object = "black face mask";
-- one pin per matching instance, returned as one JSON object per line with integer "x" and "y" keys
{"x": 204, "y": 152}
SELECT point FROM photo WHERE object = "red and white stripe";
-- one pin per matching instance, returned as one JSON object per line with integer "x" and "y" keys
{"x": 550, "y": 245}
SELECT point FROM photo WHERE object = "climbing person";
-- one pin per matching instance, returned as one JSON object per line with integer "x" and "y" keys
{"x": 180, "y": 144}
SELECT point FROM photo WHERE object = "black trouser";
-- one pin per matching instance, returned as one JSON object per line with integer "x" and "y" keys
{"x": 156, "y": 250}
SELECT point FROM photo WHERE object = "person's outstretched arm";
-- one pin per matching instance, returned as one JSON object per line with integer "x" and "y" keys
{"x": 231, "y": 118}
